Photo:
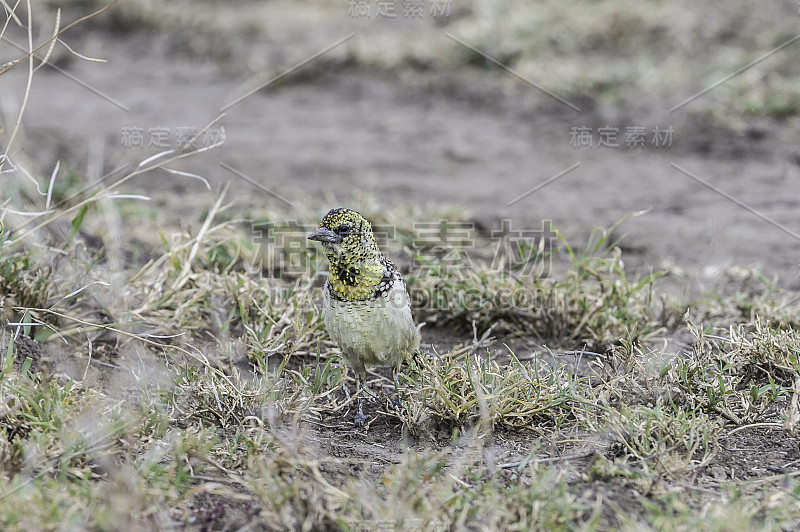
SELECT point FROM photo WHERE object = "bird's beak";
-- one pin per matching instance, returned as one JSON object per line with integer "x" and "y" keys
{"x": 325, "y": 235}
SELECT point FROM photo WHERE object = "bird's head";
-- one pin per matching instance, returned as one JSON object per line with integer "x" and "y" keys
{"x": 343, "y": 232}
{"x": 352, "y": 251}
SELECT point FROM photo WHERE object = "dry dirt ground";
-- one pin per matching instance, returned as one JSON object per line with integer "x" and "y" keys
{"x": 471, "y": 136}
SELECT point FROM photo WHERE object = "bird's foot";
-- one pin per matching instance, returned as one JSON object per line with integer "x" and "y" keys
{"x": 360, "y": 419}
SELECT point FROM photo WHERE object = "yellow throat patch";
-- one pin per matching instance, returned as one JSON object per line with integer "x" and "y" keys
{"x": 357, "y": 266}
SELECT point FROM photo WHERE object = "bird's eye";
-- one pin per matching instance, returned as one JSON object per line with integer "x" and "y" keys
{"x": 344, "y": 229}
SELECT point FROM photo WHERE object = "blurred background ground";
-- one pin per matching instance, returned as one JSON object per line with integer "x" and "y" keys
{"x": 405, "y": 111}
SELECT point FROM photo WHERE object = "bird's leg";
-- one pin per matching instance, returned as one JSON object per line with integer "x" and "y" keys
{"x": 360, "y": 418}
{"x": 396, "y": 374}
{"x": 346, "y": 390}
{"x": 416, "y": 356}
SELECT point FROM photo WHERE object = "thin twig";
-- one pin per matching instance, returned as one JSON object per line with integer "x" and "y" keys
{"x": 57, "y": 35}
{"x": 28, "y": 84}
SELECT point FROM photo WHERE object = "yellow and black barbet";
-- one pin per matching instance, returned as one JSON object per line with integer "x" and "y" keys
{"x": 365, "y": 303}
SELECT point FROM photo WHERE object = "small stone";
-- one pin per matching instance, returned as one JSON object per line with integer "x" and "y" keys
{"x": 719, "y": 473}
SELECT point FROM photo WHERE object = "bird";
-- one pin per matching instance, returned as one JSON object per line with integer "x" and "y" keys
{"x": 365, "y": 303}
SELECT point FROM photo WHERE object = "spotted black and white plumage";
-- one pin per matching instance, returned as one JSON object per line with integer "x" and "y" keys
{"x": 365, "y": 302}
{"x": 390, "y": 276}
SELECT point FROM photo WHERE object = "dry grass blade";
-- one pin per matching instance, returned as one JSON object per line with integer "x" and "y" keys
{"x": 187, "y": 265}
{"x": 58, "y": 34}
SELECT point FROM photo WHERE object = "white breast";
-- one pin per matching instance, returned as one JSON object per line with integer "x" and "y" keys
{"x": 378, "y": 331}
